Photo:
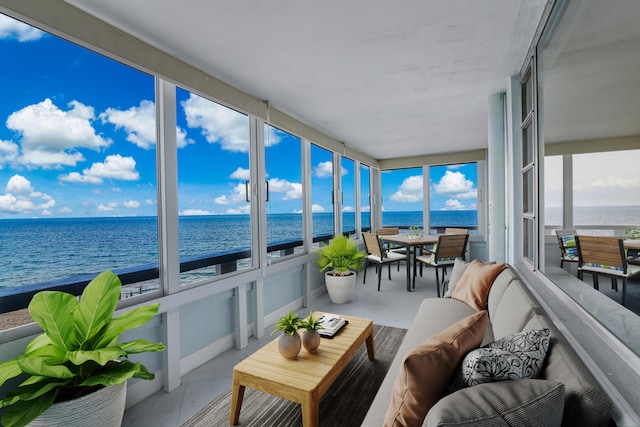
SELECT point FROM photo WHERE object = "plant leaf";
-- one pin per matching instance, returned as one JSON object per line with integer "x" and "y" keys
{"x": 38, "y": 342}
{"x": 38, "y": 367}
{"x": 96, "y": 307}
{"x": 140, "y": 346}
{"x": 22, "y": 413}
{"x": 34, "y": 390}
{"x": 53, "y": 311}
{"x": 114, "y": 373}
{"x": 9, "y": 369}
{"x": 129, "y": 320}
{"x": 100, "y": 356}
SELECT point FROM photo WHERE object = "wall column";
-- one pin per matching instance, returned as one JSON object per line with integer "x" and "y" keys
{"x": 496, "y": 190}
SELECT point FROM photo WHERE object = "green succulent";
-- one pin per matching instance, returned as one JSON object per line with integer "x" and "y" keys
{"x": 288, "y": 324}
{"x": 78, "y": 352}
{"x": 341, "y": 256}
{"x": 311, "y": 323}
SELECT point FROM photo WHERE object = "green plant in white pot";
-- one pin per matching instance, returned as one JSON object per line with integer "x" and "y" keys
{"x": 340, "y": 259}
{"x": 79, "y": 353}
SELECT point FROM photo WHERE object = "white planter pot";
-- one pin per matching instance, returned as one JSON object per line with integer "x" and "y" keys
{"x": 103, "y": 408}
{"x": 340, "y": 288}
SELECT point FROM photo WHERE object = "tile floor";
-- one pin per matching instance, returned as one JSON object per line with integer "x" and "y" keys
{"x": 392, "y": 306}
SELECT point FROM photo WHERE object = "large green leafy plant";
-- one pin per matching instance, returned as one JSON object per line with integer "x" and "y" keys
{"x": 340, "y": 256}
{"x": 78, "y": 352}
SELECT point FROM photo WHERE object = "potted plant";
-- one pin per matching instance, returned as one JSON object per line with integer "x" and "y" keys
{"x": 340, "y": 259}
{"x": 78, "y": 360}
{"x": 289, "y": 342}
{"x": 311, "y": 336}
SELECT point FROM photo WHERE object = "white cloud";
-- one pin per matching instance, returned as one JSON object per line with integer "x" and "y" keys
{"x": 51, "y": 136}
{"x": 8, "y": 153}
{"x": 138, "y": 122}
{"x": 239, "y": 193}
{"x": 240, "y": 210}
{"x": 456, "y": 184}
{"x": 241, "y": 174}
{"x": 219, "y": 124}
{"x": 365, "y": 209}
{"x": 292, "y": 190}
{"x": 20, "y": 197}
{"x": 114, "y": 167}
{"x": 109, "y": 207}
{"x": 12, "y": 29}
{"x": 222, "y": 200}
{"x": 271, "y": 136}
{"x": 315, "y": 208}
{"x": 348, "y": 209}
{"x": 132, "y": 204}
{"x": 65, "y": 210}
{"x": 409, "y": 191}
{"x": 454, "y": 205}
{"x": 323, "y": 170}
{"x": 195, "y": 212}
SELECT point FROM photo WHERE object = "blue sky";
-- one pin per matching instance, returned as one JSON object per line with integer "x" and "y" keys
{"x": 77, "y": 138}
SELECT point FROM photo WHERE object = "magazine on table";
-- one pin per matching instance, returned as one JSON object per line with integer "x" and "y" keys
{"x": 331, "y": 324}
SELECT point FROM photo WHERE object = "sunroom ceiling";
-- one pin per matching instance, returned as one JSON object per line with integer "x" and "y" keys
{"x": 389, "y": 79}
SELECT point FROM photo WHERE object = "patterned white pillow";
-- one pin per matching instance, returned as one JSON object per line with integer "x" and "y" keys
{"x": 514, "y": 357}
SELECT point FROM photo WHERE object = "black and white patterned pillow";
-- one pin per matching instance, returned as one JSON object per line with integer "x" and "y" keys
{"x": 515, "y": 357}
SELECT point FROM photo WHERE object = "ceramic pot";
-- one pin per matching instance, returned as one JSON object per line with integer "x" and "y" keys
{"x": 102, "y": 408}
{"x": 311, "y": 340}
{"x": 340, "y": 288}
{"x": 289, "y": 345}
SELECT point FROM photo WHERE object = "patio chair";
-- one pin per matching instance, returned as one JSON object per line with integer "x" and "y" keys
{"x": 431, "y": 248}
{"x": 567, "y": 243}
{"x": 379, "y": 255}
{"x": 448, "y": 248}
{"x": 605, "y": 256}
{"x": 391, "y": 231}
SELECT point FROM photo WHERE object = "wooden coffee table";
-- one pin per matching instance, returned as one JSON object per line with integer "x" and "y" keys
{"x": 304, "y": 379}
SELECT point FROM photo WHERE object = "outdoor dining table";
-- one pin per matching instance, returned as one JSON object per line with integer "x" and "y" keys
{"x": 410, "y": 243}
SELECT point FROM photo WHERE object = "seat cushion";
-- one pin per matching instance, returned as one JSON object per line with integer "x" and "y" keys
{"x": 534, "y": 403}
{"x": 474, "y": 285}
{"x": 426, "y": 369}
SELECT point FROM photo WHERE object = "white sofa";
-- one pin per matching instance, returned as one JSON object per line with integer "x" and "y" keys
{"x": 512, "y": 308}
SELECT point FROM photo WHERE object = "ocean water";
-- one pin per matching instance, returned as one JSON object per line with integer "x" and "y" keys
{"x": 40, "y": 250}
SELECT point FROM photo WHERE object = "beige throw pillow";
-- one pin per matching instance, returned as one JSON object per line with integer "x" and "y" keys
{"x": 427, "y": 368}
{"x": 474, "y": 285}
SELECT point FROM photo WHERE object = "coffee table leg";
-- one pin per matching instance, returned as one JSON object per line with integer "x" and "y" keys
{"x": 370, "y": 349}
{"x": 310, "y": 410}
{"x": 237, "y": 393}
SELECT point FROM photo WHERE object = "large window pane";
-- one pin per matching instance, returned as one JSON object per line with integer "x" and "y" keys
{"x": 322, "y": 193}
{"x": 402, "y": 198}
{"x": 213, "y": 188}
{"x": 348, "y": 197}
{"x": 77, "y": 163}
{"x": 284, "y": 202}
{"x": 454, "y": 196}
{"x": 365, "y": 197}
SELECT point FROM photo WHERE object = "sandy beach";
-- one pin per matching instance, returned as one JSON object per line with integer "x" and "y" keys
{"x": 14, "y": 318}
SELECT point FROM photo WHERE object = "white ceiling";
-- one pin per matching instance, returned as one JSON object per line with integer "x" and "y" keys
{"x": 390, "y": 79}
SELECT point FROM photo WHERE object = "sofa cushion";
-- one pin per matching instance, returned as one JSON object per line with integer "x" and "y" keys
{"x": 427, "y": 368}
{"x": 459, "y": 267}
{"x": 532, "y": 403}
{"x": 514, "y": 310}
{"x": 515, "y": 357}
{"x": 475, "y": 283}
{"x": 585, "y": 403}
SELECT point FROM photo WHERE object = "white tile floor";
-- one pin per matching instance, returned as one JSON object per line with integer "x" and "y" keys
{"x": 392, "y": 306}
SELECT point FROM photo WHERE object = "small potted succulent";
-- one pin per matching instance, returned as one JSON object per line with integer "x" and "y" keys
{"x": 289, "y": 343}
{"x": 311, "y": 336}
{"x": 340, "y": 260}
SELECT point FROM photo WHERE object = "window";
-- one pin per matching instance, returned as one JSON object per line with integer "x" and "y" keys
{"x": 283, "y": 164}
{"x": 529, "y": 150}
{"x": 365, "y": 198}
{"x": 402, "y": 198}
{"x": 77, "y": 163}
{"x": 348, "y": 197}
{"x": 213, "y": 188}
{"x": 322, "y": 193}
{"x": 453, "y": 198}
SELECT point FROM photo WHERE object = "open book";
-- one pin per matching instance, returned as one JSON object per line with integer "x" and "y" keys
{"x": 331, "y": 324}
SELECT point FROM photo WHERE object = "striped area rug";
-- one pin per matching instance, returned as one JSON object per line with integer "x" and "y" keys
{"x": 344, "y": 404}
